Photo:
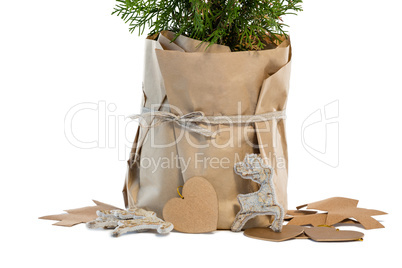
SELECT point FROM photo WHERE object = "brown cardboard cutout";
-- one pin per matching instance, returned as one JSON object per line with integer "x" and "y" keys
{"x": 349, "y": 221}
{"x": 288, "y": 232}
{"x": 314, "y": 220}
{"x": 197, "y": 212}
{"x": 339, "y": 209}
{"x": 302, "y": 236}
{"x": 78, "y": 215}
{"x": 327, "y": 234}
{"x": 290, "y": 214}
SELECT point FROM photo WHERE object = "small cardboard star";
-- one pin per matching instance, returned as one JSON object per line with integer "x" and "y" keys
{"x": 315, "y": 220}
{"x": 78, "y": 215}
{"x": 339, "y": 209}
{"x": 312, "y": 219}
{"x": 290, "y": 214}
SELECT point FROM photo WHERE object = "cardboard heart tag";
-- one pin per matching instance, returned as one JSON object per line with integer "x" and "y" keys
{"x": 288, "y": 232}
{"x": 197, "y": 212}
{"x": 329, "y": 234}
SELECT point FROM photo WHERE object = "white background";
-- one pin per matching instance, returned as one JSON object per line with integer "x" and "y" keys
{"x": 56, "y": 54}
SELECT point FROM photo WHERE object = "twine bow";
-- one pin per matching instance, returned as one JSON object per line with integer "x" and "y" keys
{"x": 191, "y": 120}
{"x": 188, "y": 121}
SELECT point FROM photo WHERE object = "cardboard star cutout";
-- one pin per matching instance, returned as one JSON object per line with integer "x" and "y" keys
{"x": 315, "y": 220}
{"x": 339, "y": 209}
{"x": 312, "y": 219}
{"x": 78, "y": 215}
{"x": 290, "y": 214}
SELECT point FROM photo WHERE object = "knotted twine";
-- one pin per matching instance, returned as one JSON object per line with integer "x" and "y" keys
{"x": 192, "y": 120}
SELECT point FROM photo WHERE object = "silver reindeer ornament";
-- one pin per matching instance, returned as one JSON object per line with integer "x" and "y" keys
{"x": 262, "y": 202}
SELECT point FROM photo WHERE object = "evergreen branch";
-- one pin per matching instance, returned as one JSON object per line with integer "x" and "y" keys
{"x": 239, "y": 24}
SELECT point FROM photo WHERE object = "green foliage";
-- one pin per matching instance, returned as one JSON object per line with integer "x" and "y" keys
{"x": 239, "y": 24}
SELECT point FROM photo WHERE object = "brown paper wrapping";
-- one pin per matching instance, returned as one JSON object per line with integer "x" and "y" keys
{"x": 189, "y": 76}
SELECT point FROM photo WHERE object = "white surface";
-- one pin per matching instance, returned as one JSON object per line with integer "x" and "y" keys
{"x": 55, "y": 55}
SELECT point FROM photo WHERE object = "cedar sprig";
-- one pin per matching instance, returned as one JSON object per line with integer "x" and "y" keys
{"x": 239, "y": 24}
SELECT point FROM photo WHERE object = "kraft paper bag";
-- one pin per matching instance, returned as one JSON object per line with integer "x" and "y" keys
{"x": 186, "y": 76}
{"x": 149, "y": 186}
